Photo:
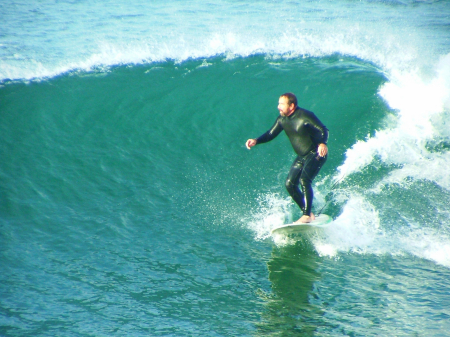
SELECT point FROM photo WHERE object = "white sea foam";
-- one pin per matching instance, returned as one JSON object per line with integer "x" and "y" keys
{"x": 230, "y": 44}
{"x": 355, "y": 230}
{"x": 273, "y": 211}
{"x": 422, "y": 106}
{"x": 141, "y": 33}
{"x": 358, "y": 230}
{"x": 422, "y": 115}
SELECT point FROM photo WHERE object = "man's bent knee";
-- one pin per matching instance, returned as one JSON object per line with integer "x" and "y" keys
{"x": 305, "y": 182}
{"x": 290, "y": 186}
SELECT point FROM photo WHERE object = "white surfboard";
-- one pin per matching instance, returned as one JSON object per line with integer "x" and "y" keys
{"x": 321, "y": 221}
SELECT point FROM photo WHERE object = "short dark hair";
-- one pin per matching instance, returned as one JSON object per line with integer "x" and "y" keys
{"x": 291, "y": 98}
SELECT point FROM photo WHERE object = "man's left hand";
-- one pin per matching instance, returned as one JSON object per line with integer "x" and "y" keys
{"x": 322, "y": 150}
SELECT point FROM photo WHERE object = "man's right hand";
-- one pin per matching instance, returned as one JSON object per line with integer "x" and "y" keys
{"x": 250, "y": 143}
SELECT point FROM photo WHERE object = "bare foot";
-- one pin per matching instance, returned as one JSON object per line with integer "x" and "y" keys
{"x": 304, "y": 219}
{"x": 313, "y": 217}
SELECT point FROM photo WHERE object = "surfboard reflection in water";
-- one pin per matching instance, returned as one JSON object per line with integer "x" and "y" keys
{"x": 293, "y": 270}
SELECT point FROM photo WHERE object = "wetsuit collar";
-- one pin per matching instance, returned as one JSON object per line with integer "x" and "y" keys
{"x": 292, "y": 112}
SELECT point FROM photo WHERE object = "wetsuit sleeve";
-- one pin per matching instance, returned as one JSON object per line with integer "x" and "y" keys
{"x": 271, "y": 133}
{"x": 319, "y": 132}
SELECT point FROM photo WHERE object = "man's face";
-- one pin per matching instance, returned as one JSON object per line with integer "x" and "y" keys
{"x": 284, "y": 107}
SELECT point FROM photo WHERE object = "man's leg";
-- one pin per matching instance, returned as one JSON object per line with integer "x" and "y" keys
{"x": 292, "y": 182}
{"x": 311, "y": 168}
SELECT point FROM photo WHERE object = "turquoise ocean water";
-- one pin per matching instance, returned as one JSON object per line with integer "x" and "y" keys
{"x": 129, "y": 205}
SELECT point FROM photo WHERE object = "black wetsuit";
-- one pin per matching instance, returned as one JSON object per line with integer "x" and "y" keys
{"x": 306, "y": 132}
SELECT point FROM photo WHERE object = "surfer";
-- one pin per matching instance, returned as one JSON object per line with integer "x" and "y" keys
{"x": 308, "y": 137}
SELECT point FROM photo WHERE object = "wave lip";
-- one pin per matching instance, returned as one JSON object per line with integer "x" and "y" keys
{"x": 55, "y": 40}
{"x": 422, "y": 109}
